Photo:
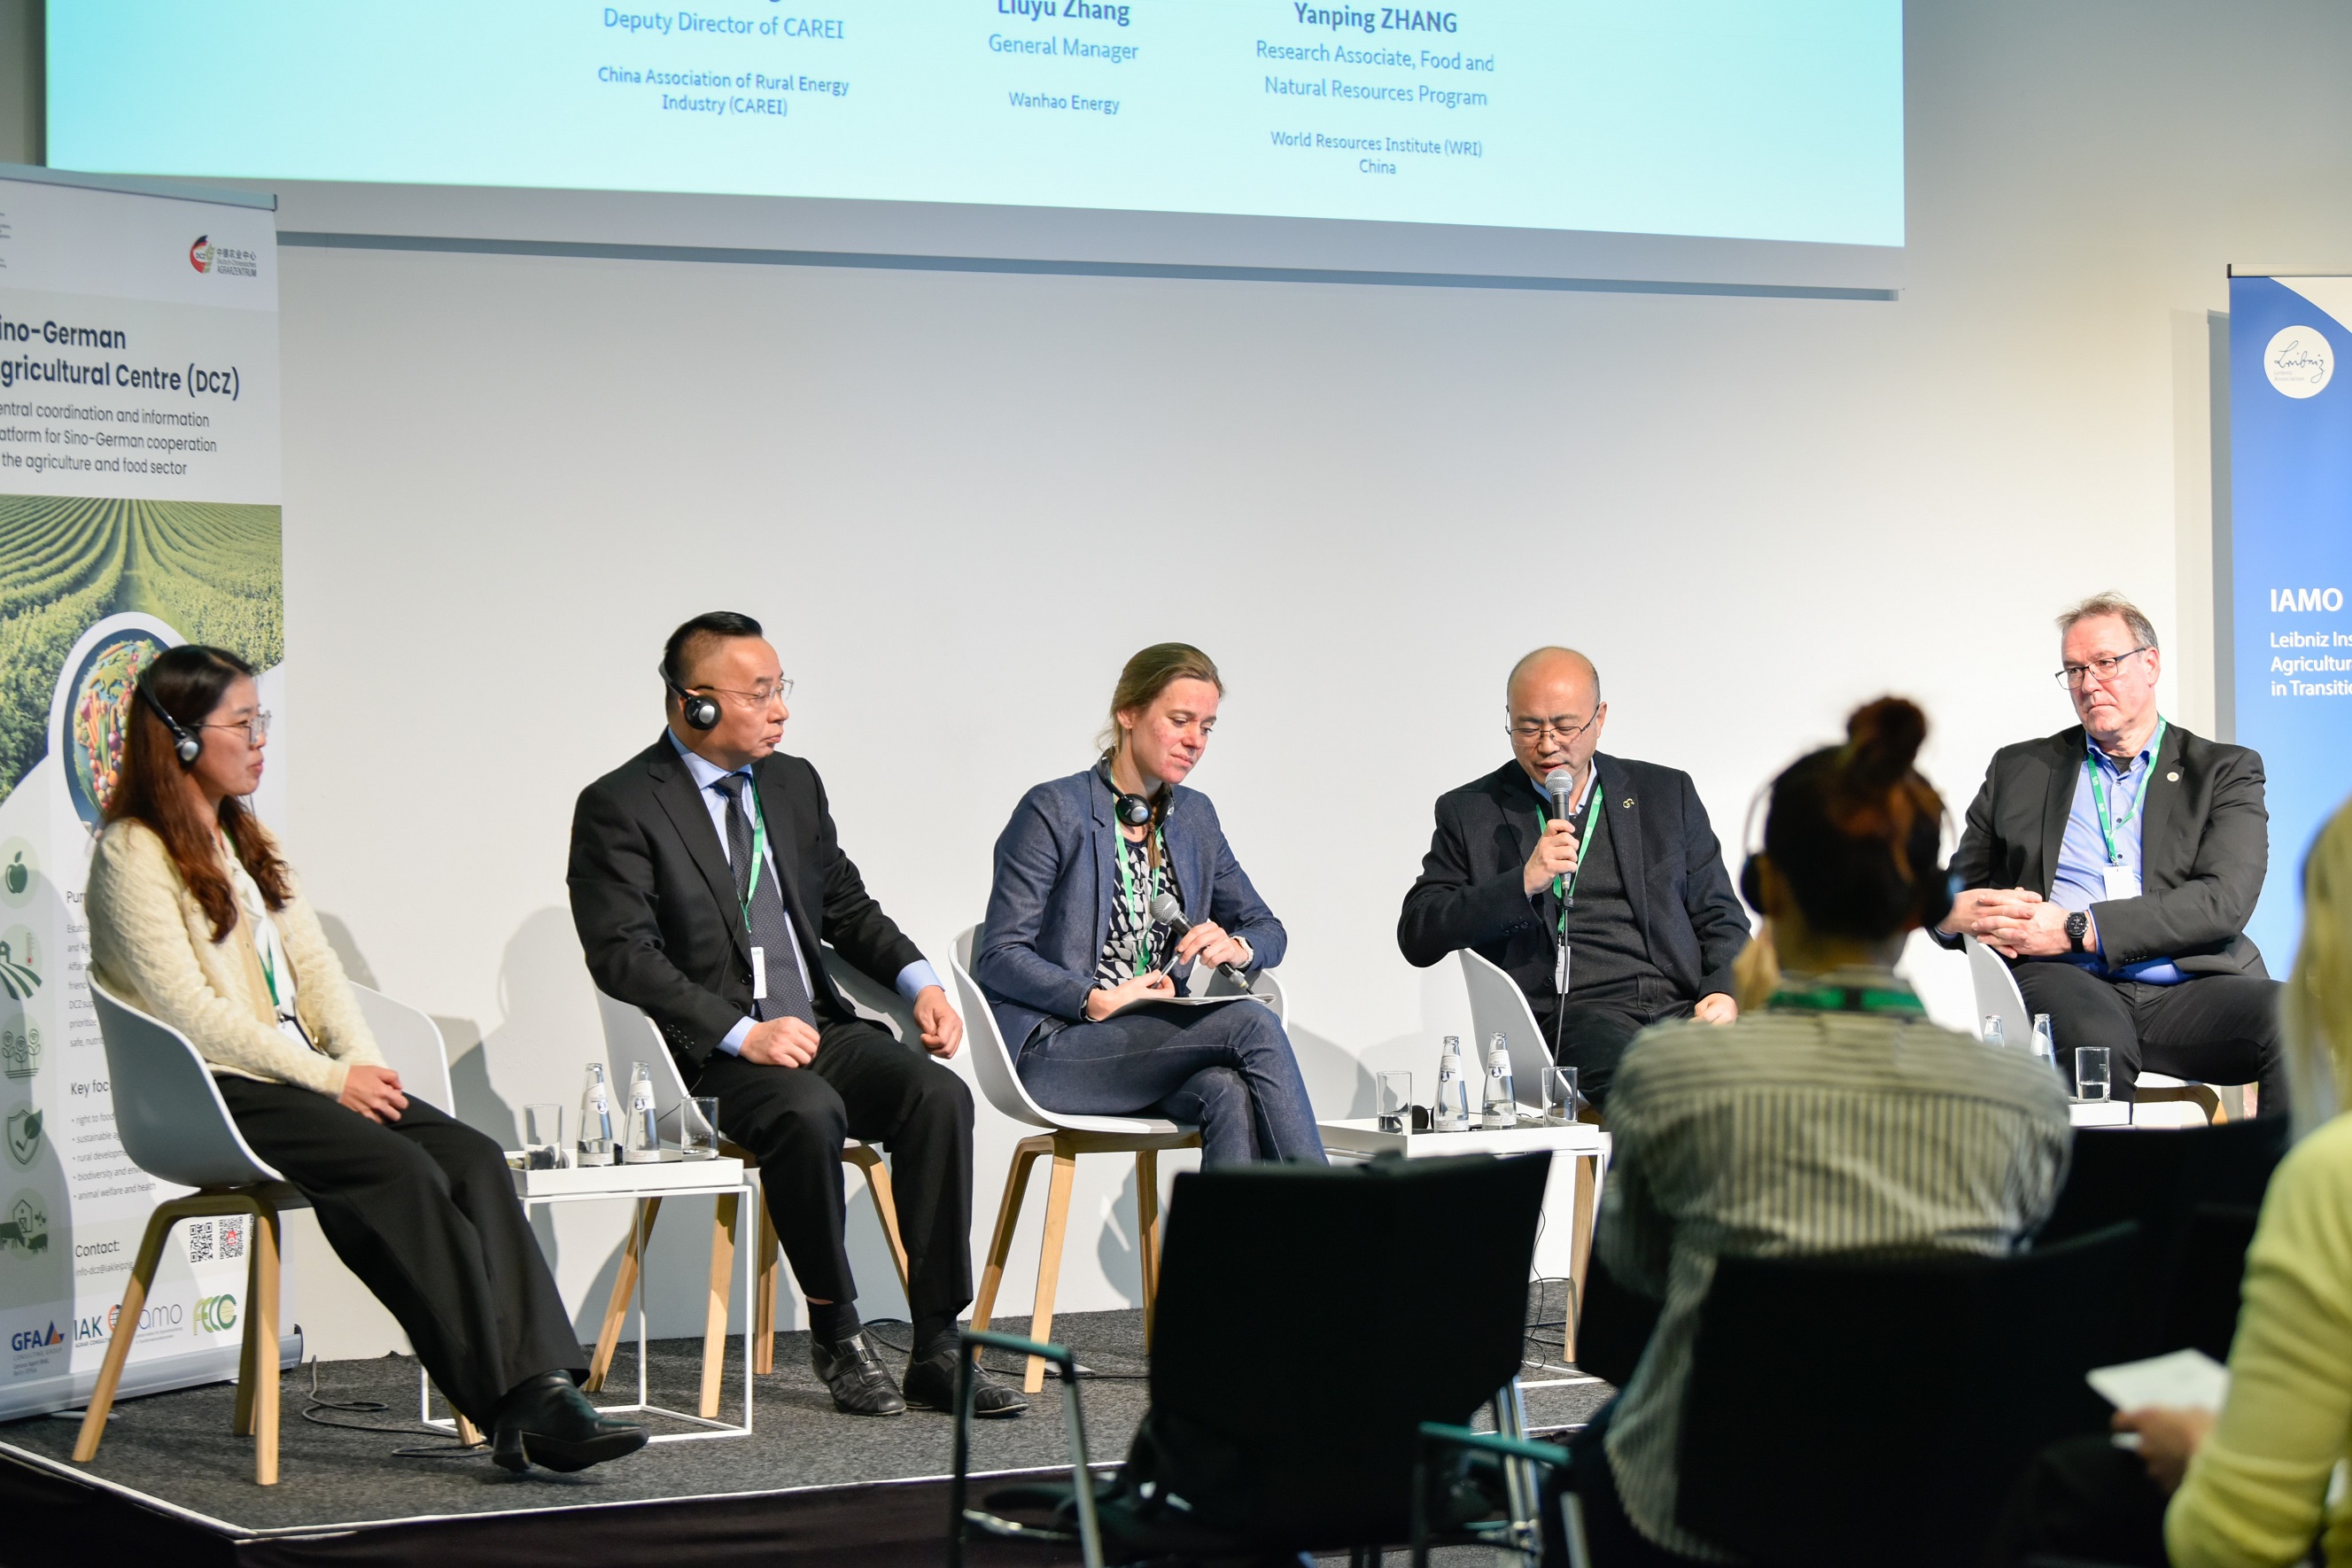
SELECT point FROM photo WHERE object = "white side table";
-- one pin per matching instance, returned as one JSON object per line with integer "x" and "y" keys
{"x": 638, "y": 1184}
{"x": 1586, "y": 1146}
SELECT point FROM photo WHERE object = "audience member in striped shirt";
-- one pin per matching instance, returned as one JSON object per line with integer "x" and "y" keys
{"x": 1834, "y": 1119}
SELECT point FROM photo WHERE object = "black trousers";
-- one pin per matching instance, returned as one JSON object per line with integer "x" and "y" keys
{"x": 2215, "y": 1029}
{"x": 1598, "y": 1027}
{"x": 865, "y": 1085}
{"x": 2082, "y": 1498}
{"x": 423, "y": 1212}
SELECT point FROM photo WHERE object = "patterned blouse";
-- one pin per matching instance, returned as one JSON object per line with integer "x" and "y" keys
{"x": 1135, "y": 941}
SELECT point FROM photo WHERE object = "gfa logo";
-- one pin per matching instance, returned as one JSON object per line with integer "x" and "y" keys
{"x": 35, "y": 1339}
{"x": 216, "y": 1314}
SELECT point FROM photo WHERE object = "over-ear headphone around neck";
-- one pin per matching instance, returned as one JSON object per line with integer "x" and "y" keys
{"x": 698, "y": 710}
{"x": 184, "y": 746}
{"x": 1135, "y": 810}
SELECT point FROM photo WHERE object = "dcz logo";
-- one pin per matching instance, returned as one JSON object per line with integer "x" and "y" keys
{"x": 216, "y": 1314}
{"x": 225, "y": 260}
{"x": 35, "y": 1339}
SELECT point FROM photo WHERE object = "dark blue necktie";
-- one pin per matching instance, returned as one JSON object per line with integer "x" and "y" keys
{"x": 771, "y": 930}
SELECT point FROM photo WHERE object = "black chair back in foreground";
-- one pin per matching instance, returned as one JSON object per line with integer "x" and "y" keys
{"x": 1613, "y": 1326}
{"x": 2159, "y": 1179}
{"x": 1310, "y": 1320}
{"x": 1867, "y": 1410}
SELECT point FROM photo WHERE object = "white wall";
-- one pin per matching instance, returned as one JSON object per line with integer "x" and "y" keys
{"x": 958, "y": 502}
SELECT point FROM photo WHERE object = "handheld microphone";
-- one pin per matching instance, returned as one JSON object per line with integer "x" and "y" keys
{"x": 1562, "y": 786}
{"x": 1170, "y": 913}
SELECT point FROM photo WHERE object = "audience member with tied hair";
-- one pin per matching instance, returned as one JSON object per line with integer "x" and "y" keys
{"x": 1843, "y": 1057}
{"x": 196, "y": 920}
{"x": 2252, "y": 1487}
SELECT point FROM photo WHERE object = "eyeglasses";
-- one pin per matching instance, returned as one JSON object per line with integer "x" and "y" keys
{"x": 1529, "y": 732}
{"x": 759, "y": 697}
{"x": 2073, "y": 677}
{"x": 257, "y": 729}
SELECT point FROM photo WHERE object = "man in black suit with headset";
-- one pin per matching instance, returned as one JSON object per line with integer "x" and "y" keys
{"x": 705, "y": 872}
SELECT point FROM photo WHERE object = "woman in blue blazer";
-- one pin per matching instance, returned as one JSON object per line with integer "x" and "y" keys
{"x": 1081, "y": 975}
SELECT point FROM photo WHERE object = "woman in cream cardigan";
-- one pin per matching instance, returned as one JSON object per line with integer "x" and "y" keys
{"x": 196, "y": 920}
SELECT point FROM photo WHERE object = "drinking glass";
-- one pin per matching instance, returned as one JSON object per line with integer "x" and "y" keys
{"x": 1396, "y": 1102}
{"x": 543, "y": 1137}
{"x": 697, "y": 1128}
{"x": 2092, "y": 1078}
{"x": 1559, "y": 1096}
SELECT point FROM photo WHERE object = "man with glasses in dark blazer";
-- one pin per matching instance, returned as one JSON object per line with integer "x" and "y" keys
{"x": 1631, "y": 879}
{"x": 705, "y": 877}
{"x": 2114, "y": 866}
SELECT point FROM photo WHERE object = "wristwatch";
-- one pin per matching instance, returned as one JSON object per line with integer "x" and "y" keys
{"x": 2077, "y": 925}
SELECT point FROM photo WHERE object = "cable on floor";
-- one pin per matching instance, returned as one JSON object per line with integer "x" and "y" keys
{"x": 314, "y": 1403}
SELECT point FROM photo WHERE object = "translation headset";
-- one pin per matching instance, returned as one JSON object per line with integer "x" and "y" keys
{"x": 184, "y": 746}
{"x": 1134, "y": 810}
{"x": 1932, "y": 884}
{"x": 699, "y": 711}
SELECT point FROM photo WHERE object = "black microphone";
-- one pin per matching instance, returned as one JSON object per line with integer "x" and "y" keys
{"x": 1170, "y": 913}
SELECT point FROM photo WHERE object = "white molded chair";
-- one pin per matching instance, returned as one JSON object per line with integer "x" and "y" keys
{"x": 631, "y": 1037}
{"x": 1498, "y": 1007}
{"x": 1998, "y": 997}
{"x": 175, "y": 1127}
{"x": 1065, "y": 1138}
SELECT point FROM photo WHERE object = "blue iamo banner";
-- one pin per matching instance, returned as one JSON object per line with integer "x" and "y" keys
{"x": 2291, "y": 541}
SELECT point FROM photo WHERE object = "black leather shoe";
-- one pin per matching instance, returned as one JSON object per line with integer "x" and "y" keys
{"x": 855, "y": 1376}
{"x": 931, "y": 1381}
{"x": 546, "y": 1421}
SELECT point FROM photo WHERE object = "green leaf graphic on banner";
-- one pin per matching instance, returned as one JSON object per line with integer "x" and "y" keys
{"x": 212, "y": 571}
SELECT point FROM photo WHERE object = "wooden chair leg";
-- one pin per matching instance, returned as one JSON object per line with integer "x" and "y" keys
{"x": 265, "y": 1354}
{"x": 714, "y": 1316}
{"x": 246, "y": 1369}
{"x": 1147, "y": 1233}
{"x": 467, "y": 1433}
{"x": 1580, "y": 1251}
{"x": 885, "y": 1208}
{"x": 126, "y": 1329}
{"x": 625, "y": 1285}
{"x": 1049, "y": 1259}
{"x": 763, "y": 1310}
{"x": 1008, "y": 1216}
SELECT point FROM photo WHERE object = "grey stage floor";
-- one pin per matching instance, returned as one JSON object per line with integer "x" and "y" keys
{"x": 177, "y": 1447}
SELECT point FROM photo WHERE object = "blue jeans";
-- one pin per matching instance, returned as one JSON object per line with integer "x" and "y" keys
{"x": 1227, "y": 1070}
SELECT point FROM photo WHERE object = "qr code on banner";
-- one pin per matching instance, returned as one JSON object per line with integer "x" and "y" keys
{"x": 232, "y": 1235}
{"x": 201, "y": 1241}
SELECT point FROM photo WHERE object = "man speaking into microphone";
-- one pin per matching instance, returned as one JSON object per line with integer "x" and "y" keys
{"x": 1629, "y": 879}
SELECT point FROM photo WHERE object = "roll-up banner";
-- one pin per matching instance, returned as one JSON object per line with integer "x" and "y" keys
{"x": 2291, "y": 565}
{"x": 139, "y": 509}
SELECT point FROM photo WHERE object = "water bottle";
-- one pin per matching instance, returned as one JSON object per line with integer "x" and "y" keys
{"x": 1501, "y": 1111}
{"x": 1451, "y": 1114}
{"x": 2045, "y": 1043}
{"x": 1992, "y": 1032}
{"x": 596, "y": 1119}
{"x": 642, "y": 1146}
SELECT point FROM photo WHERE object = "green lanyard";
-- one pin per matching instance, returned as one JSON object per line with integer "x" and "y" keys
{"x": 1847, "y": 999}
{"x": 2099, "y": 793}
{"x": 759, "y": 853}
{"x": 1134, "y": 899}
{"x": 1564, "y": 889}
{"x": 269, "y": 972}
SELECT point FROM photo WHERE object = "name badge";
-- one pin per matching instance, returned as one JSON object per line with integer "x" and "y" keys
{"x": 758, "y": 974}
{"x": 2123, "y": 882}
{"x": 1559, "y": 971}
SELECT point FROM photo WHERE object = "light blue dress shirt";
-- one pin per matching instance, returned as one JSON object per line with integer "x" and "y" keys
{"x": 2082, "y": 853}
{"x": 911, "y": 980}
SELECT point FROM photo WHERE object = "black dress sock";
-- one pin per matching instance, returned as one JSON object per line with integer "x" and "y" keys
{"x": 935, "y": 1335}
{"x": 834, "y": 1322}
